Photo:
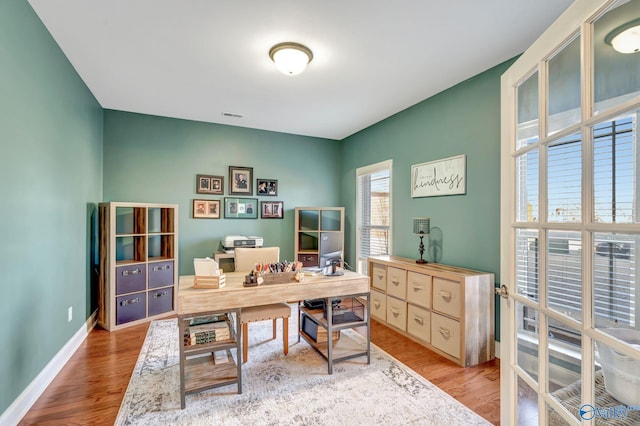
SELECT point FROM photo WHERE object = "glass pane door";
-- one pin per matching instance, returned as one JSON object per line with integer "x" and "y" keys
{"x": 570, "y": 222}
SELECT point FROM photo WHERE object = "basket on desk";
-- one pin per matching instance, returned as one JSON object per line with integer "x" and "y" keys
{"x": 212, "y": 281}
{"x": 278, "y": 277}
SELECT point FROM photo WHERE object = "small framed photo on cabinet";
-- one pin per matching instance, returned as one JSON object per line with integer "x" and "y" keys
{"x": 208, "y": 184}
{"x": 240, "y": 180}
{"x": 206, "y": 209}
{"x": 272, "y": 209}
{"x": 267, "y": 187}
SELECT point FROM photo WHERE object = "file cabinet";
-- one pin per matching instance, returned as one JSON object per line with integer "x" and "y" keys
{"x": 449, "y": 310}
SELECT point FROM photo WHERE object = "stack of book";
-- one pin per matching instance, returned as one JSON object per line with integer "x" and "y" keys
{"x": 199, "y": 332}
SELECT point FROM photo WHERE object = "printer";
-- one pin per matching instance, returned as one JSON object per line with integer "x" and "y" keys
{"x": 230, "y": 242}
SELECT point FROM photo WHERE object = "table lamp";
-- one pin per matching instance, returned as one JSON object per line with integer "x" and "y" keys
{"x": 421, "y": 227}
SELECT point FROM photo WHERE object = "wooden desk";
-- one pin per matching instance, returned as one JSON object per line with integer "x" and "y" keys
{"x": 234, "y": 295}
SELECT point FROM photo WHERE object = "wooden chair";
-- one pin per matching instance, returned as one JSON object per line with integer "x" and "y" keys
{"x": 245, "y": 261}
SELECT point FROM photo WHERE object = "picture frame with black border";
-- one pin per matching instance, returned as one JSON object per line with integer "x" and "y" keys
{"x": 267, "y": 187}
{"x": 206, "y": 209}
{"x": 240, "y": 180}
{"x": 272, "y": 209}
{"x": 240, "y": 208}
{"x": 210, "y": 184}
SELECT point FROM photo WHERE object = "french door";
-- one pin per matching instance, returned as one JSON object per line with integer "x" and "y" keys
{"x": 570, "y": 228}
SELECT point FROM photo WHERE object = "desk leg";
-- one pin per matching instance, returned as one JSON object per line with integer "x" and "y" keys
{"x": 329, "y": 305}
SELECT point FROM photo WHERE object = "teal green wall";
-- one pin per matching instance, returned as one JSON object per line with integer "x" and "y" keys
{"x": 50, "y": 182}
{"x": 154, "y": 159}
{"x": 464, "y": 119}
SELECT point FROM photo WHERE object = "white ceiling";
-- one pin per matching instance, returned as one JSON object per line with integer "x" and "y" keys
{"x": 196, "y": 59}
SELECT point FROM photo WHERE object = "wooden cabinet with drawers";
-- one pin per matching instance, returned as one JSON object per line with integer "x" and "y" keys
{"x": 447, "y": 309}
{"x": 138, "y": 263}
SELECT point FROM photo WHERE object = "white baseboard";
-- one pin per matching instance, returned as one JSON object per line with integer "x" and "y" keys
{"x": 30, "y": 395}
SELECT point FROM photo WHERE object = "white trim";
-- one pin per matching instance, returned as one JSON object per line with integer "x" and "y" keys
{"x": 371, "y": 168}
{"x": 365, "y": 170}
{"x": 32, "y": 392}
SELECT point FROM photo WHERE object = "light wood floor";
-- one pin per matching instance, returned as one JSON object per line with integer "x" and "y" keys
{"x": 90, "y": 388}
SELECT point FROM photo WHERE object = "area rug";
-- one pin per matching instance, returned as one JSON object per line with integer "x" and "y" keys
{"x": 286, "y": 390}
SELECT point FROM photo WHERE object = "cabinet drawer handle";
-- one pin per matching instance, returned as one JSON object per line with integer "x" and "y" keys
{"x": 161, "y": 268}
{"x": 130, "y": 301}
{"x": 131, "y": 272}
{"x": 376, "y": 303}
{"x": 417, "y": 287}
{"x": 380, "y": 277}
{"x": 395, "y": 312}
{"x": 446, "y": 294}
{"x": 446, "y": 333}
{"x": 162, "y": 293}
{"x": 419, "y": 320}
{"x": 395, "y": 281}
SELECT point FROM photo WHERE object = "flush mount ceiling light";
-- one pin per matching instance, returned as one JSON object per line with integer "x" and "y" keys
{"x": 625, "y": 38}
{"x": 290, "y": 58}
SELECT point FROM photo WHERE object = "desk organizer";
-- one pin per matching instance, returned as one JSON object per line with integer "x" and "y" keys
{"x": 213, "y": 281}
{"x": 278, "y": 277}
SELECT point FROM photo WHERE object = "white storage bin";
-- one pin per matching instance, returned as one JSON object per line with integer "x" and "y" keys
{"x": 621, "y": 372}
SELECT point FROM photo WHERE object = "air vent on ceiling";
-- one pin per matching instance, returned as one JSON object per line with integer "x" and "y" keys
{"x": 232, "y": 115}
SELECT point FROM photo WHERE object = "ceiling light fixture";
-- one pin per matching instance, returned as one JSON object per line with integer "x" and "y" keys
{"x": 625, "y": 38}
{"x": 290, "y": 58}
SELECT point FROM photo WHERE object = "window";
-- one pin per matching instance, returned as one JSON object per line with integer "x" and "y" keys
{"x": 373, "y": 229}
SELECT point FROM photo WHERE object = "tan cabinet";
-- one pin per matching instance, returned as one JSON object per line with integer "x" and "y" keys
{"x": 397, "y": 313}
{"x": 378, "y": 305}
{"x": 138, "y": 263}
{"x": 397, "y": 283}
{"x": 450, "y": 310}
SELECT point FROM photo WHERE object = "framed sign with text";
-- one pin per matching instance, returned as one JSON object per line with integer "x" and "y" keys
{"x": 441, "y": 177}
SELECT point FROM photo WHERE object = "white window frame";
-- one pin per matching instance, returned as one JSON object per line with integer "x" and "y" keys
{"x": 361, "y": 263}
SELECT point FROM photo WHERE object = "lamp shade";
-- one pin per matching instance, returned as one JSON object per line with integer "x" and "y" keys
{"x": 421, "y": 225}
{"x": 626, "y": 38}
{"x": 290, "y": 58}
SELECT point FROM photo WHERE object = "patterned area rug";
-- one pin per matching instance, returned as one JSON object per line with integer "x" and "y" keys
{"x": 286, "y": 390}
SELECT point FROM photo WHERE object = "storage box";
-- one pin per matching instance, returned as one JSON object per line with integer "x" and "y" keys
{"x": 130, "y": 278}
{"x": 214, "y": 281}
{"x": 131, "y": 307}
{"x": 621, "y": 372}
{"x": 349, "y": 309}
{"x": 160, "y": 301}
{"x": 316, "y": 332}
{"x": 160, "y": 274}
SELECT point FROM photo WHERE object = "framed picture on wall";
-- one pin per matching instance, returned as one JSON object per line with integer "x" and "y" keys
{"x": 240, "y": 208}
{"x": 209, "y": 184}
{"x": 272, "y": 209}
{"x": 206, "y": 209}
{"x": 240, "y": 180}
{"x": 267, "y": 187}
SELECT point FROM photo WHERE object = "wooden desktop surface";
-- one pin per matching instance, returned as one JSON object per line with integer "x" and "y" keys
{"x": 234, "y": 295}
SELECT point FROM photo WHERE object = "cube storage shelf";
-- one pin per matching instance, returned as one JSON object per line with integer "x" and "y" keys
{"x": 198, "y": 368}
{"x": 318, "y": 231}
{"x": 138, "y": 263}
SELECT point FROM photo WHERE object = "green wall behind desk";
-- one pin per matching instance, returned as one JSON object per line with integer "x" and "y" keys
{"x": 155, "y": 159}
